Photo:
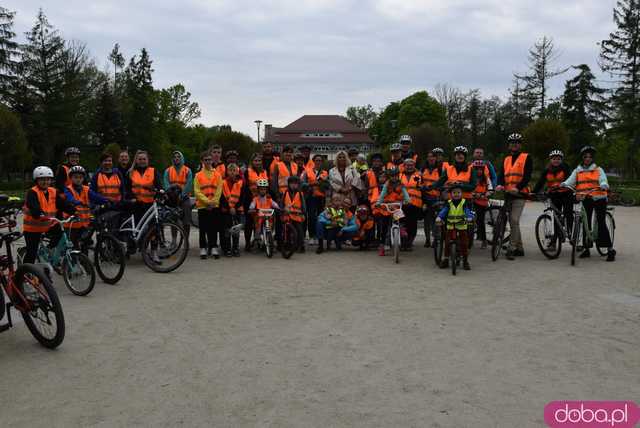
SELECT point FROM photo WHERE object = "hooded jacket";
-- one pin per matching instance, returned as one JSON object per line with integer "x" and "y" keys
{"x": 571, "y": 181}
{"x": 188, "y": 187}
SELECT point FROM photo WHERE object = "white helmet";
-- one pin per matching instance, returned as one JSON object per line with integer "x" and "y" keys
{"x": 42, "y": 172}
{"x": 262, "y": 182}
{"x": 405, "y": 139}
{"x": 461, "y": 149}
{"x": 515, "y": 138}
{"x": 395, "y": 147}
{"x": 556, "y": 153}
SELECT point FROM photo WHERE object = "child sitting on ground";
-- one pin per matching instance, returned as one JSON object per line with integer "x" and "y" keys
{"x": 335, "y": 223}
{"x": 364, "y": 220}
{"x": 457, "y": 215}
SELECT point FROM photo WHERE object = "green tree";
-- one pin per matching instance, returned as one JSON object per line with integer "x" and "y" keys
{"x": 542, "y": 57}
{"x": 620, "y": 57}
{"x": 420, "y": 108}
{"x": 117, "y": 59}
{"x": 584, "y": 108}
{"x": 362, "y": 116}
{"x": 140, "y": 104}
{"x": 8, "y": 49}
{"x": 175, "y": 105}
{"x": 545, "y": 135}
{"x": 13, "y": 143}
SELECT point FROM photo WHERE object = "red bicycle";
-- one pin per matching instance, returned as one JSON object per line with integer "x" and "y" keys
{"x": 28, "y": 288}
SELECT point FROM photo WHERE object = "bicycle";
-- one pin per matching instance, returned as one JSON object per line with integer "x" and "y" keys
{"x": 499, "y": 239}
{"x": 109, "y": 257}
{"x": 395, "y": 232}
{"x": 585, "y": 233}
{"x": 551, "y": 228}
{"x": 29, "y": 290}
{"x": 265, "y": 238}
{"x": 75, "y": 267}
{"x": 289, "y": 242}
{"x": 150, "y": 237}
{"x": 438, "y": 235}
{"x": 454, "y": 244}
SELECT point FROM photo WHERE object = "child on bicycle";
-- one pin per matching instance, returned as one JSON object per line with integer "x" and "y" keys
{"x": 81, "y": 196}
{"x": 294, "y": 206}
{"x": 456, "y": 215}
{"x": 42, "y": 202}
{"x": 552, "y": 177}
{"x": 366, "y": 228}
{"x": 392, "y": 191}
{"x": 231, "y": 209}
{"x": 261, "y": 201}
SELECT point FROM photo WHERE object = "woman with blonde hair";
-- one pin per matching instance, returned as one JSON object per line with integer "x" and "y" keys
{"x": 344, "y": 179}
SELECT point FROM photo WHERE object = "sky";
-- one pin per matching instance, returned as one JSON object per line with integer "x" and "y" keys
{"x": 275, "y": 60}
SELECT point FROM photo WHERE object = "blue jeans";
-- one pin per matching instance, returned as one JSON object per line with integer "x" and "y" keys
{"x": 331, "y": 234}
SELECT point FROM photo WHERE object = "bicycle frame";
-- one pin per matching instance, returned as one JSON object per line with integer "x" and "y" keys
{"x": 137, "y": 232}
{"x": 557, "y": 217}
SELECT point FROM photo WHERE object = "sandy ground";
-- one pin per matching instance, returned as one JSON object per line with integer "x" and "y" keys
{"x": 338, "y": 340}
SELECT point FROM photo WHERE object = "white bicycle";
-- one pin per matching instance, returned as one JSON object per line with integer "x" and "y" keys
{"x": 395, "y": 235}
{"x": 163, "y": 243}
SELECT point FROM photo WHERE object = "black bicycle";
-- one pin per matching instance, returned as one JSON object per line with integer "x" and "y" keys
{"x": 499, "y": 238}
{"x": 551, "y": 228}
{"x": 109, "y": 255}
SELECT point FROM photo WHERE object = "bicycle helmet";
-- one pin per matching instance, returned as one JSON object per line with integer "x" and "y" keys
{"x": 396, "y": 147}
{"x": 393, "y": 171}
{"x": 42, "y": 172}
{"x": 72, "y": 151}
{"x": 77, "y": 169}
{"x": 588, "y": 149}
{"x": 555, "y": 153}
{"x": 461, "y": 149}
{"x": 262, "y": 182}
{"x": 437, "y": 151}
{"x": 405, "y": 139}
{"x": 515, "y": 138}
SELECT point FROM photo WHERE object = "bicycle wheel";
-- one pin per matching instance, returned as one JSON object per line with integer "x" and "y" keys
{"x": 438, "y": 244}
{"x": 268, "y": 243}
{"x": 611, "y": 227}
{"x": 490, "y": 220}
{"x": 109, "y": 258}
{"x": 289, "y": 240}
{"x": 453, "y": 256}
{"x": 575, "y": 239}
{"x": 157, "y": 251}
{"x": 498, "y": 236}
{"x": 549, "y": 243}
{"x": 395, "y": 243}
{"x": 44, "y": 317}
{"x": 78, "y": 273}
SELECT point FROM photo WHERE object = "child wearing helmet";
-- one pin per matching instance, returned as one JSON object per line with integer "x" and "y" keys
{"x": 366, "y": 228}
{"x": 82, "y": 197}
{"x": 396, "y": 157}
{"x": 261, "y": 201}
{"x": 294, "y": 208}
{"x": 456, "y": 215}
{"x": 392, "y": 191}
{"x": 554, "y": 173}
{"x": 42, "y": 202}
{"x": 62, "y": 175}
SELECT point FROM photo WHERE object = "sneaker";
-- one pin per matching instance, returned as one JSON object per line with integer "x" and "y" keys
{"x": 302, "y": 250}
{"x": 483, "y": 246}
{"x": 155, "y": 258}
{"x": 585, "y": 254}
{"x": 466, "y": 265}
{"x": 227, "y": 253}
{"x": 215, "y": 253}
{"x": 387, "y": 247}
{"x": 235, "y": 252}
{"x": 611, "y": 255}
{"x": 203, "y": 253}
{"x": 381, "y": 251}
{"x": 427, "y": 244}
{"x": 312, "y": 242}
{"x": 510, "y": 255}
{"x": 319, "y": 250}
{"x": 444, "y": 264}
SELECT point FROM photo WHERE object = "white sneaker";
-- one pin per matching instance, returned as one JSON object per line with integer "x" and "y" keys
{"x": 203, "y": 253}
{"x": 312, "y": 242}
{"x": 387, "y": 247}
{"x": 215, "y": 253}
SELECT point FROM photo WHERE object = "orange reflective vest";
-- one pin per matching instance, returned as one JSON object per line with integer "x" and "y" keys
{"x": 142, "y": 185}
{"x": 48, "y": 207}
{"x": 253, "y": 177}
{"x": 231, "y": 192}
{"x": 482, "y": 175}
{"x": 274, "y": 164}
{"x": 363, "y": 228}
{"x": 514, "y": 171}
{"x": 310, "y": 164}
{"x": 589, "y": 181}
{"x": 207, "y": 185}
{"x": 263, "y": 203}
{"x": 412, "y": 183}
{"x": 429, "y": 178}
{"x": 372, "y": 182}
{"x": 294, "y": 206}
{"x": 554, "y": 179}
{"x": 453, "y": 176}
{"x": 179, "y": 178}
{"x": 83, "y": 213}
{"x": 109, "y": 187}
{"x": 400, "y": 166}
{"x": 445, "y": 165}
{"x": 284, "y": 174}
{"x": 66, "y": 171}
{"x": 312, "y": 180}
{"x": 394, "y": 195}
{"x": 221, "y": 168}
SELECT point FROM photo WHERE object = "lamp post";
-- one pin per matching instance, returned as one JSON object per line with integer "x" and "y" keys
{"x": 258, "y": 122}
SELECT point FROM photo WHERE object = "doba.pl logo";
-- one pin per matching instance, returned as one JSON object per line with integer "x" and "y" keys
{"x": 591, "y": 414}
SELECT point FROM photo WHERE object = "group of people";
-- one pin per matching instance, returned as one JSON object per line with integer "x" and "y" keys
{"x": 344, "y": 204}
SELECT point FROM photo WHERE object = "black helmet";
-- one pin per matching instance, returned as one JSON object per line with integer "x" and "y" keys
{"x": 588, "y": 149}
{"x": 77, "y": 169}
{"x": 72, "y": 151}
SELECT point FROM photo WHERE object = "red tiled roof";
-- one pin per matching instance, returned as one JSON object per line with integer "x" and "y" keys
{"x": 296, "y": 138}
{"x": 293, "y": 133}
{"x": 310, "y": 122}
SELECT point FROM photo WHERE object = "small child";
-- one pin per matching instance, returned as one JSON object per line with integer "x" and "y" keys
{"x": 457, "y": 216}
{"x": 335, "y": 223}
{"x": 81, "y": 196}
{"x": 262, "y": 201}
{"x": 294, "y": 206}
{"x": 366, "y": 229}
{"x": 231, "y": 209}
{"x": 392, "y": 191}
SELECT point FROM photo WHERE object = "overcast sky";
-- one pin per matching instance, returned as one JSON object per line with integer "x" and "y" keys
{"x": 277, "y": 60}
